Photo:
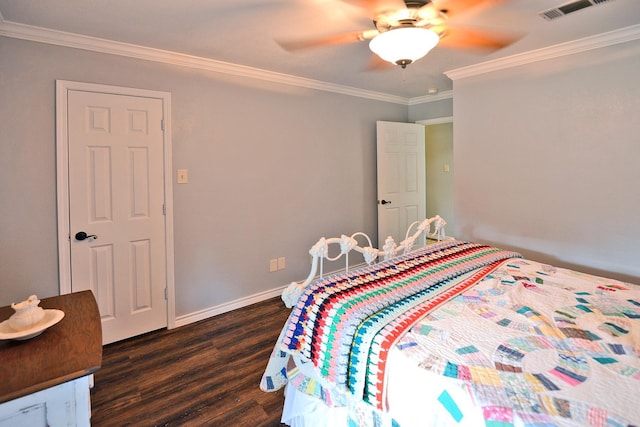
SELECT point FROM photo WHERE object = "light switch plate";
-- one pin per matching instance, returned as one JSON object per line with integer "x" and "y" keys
{"x": 183, "y": 176}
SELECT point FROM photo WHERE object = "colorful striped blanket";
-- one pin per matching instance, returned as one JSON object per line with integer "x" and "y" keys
{"x": 345, "y": 324}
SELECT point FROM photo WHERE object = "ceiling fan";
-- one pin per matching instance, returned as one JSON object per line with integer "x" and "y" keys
{"x": 406, "y": 30}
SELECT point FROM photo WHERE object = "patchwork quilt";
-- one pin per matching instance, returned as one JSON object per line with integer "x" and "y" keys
{"x": 345, "y": 324}
{"x": 535, "y": 345}
{"x": 518, "y": 343}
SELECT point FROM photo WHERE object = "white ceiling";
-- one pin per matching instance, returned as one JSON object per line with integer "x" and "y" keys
{"x": 245, "y": 32}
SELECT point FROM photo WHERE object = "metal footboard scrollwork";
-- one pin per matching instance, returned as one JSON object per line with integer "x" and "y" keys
{"x": 320, "y": 251}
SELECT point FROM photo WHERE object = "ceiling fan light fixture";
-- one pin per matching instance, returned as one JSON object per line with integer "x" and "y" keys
{"x": 402, "y": 46}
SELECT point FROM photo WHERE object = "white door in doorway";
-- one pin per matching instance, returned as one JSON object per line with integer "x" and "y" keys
{"x": 401, "y": 178}
{"x": 116, "y": 198}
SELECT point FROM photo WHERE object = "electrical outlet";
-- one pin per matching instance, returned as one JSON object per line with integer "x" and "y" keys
{"x": 273, "y": 265}
{"x": 282, "y": 263}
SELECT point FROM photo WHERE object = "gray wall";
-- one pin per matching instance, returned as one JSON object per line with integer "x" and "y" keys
{"x": 547, "y": 160}
{"x": 271, "y": 169}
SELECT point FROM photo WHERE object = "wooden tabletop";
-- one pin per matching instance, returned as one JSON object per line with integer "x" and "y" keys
{"x": 68, "y": 350}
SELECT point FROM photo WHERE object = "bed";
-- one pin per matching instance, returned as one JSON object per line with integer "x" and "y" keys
{"x": 455, "y": 333}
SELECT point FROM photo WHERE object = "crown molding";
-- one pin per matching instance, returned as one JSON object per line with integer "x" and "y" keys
{"x": 77, "y": 41}
{"x": 437, "y": 121}
{"x": 610, "y": 38}
{"x": 448, "y": 94}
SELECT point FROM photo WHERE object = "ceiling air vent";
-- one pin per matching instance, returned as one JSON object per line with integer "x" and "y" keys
{"x": 565, "y": 9}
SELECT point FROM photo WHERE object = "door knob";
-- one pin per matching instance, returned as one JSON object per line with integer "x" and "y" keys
{"x": 385, "y": 202}
{"x": 81, "y": 235}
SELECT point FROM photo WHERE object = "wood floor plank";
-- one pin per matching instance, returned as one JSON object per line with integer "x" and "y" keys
{"x": 207, "y": 373}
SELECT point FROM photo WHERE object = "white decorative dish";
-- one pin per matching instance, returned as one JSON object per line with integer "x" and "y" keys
{"x": 50, "y": 318}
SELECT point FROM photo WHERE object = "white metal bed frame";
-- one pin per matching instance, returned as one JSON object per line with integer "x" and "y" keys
{"x": 320, "y": 251}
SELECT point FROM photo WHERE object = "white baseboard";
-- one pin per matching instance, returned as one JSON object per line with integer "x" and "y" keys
{"x": 239, "y": 303}
{"x": 228, "y": 306}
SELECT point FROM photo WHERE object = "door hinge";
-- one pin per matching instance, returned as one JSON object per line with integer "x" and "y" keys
{"x": 166, "y": 294}
{"x": 164, "y": 209}
{"x": 162, "y": 124}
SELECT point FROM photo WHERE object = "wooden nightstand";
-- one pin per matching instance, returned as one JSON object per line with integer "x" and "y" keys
{"x": 46, "y": 380}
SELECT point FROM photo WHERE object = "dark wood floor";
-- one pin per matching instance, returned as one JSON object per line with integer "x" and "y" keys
{"x": 206, "y": 373}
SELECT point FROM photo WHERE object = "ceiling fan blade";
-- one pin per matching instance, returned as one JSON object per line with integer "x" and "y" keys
{"x": 337, "y": 39}
{"x": 471, "y": 38}
{"x": 458, "y": 7}
{"x": 376, "y": 7}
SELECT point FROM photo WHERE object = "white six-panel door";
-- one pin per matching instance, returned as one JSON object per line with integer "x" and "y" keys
{"x": 401, "y": 178}
{"x": 116, "y": 193}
